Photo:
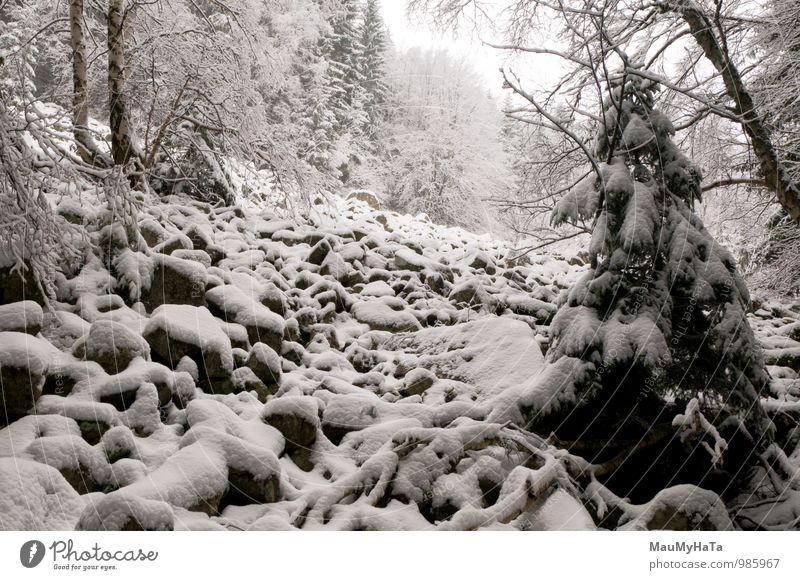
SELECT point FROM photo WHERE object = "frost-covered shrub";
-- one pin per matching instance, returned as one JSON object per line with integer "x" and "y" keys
{"x": 36, "y": 243}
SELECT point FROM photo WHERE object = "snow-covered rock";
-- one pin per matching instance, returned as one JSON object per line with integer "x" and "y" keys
{"x": 23, "y": 316}
{"x": 36, "y": 497}
{"x": 113, "y": 346}
{"x": 175, "y": 331}
{"x": 24, "y": 361}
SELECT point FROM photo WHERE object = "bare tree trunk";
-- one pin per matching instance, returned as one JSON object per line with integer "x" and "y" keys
{"x": 121, "y": 143}
{"x": 87, "y": 148}
{"x": 775, "y": 176}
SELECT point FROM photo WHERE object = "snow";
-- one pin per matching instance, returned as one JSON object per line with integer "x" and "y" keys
{"x": 114, "y": 345}
{"x": 194, "y": 476}
{"x": 406, "y": 259}
{"x": 492, "y": 353}
{"x": 36, "y": 497}
{"x": 692, "y": 422}
{"x": 134, "y": 272}
{"x": 20, "y": 434}
{"x": 560, "y": 513}
{"x": 641, "y": 219}
{"x": 77, "y": 408}
{"x": 70, "y": 453}
{"x": 578, "y": 204}
{"x": 400, "y": 367}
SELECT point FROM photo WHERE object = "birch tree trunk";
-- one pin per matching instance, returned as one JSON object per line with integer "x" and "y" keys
{"x": 775, "y": 175}
{"x": 121, "y": 142}
{"x": 87, "y": 148}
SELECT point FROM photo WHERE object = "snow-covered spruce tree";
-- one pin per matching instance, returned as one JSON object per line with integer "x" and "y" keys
{"x": 333, "y": 113}
{"x": 659, "y": 320}
{"x": 318, "y": 120}
{"x": 343, "y": 50}
{"x": 371, "y": 64}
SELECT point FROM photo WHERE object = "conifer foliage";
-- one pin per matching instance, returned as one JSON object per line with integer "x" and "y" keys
{"x": 347, "y": 94}
{"x": 661, "y": 314}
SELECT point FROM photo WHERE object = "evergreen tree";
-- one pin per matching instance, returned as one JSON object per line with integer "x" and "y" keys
{"x": 660, "y": 319}
{"x": 342, "y": 50}
{"x": 372, "y": 64}
{"x": 19, "y": 52}
{"x": 320, "y": 124}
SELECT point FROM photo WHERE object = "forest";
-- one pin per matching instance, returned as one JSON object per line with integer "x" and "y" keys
{"x": 263, "y": 267}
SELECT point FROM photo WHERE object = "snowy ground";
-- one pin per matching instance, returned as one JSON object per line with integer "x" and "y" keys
{"x": 230, "y": 369}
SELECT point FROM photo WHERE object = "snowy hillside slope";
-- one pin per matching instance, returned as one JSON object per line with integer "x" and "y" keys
{"x": 229, "y": 368}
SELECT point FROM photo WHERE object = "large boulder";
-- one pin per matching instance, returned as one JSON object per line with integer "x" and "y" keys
{"x": 25, "y": 316}
{"x": 318, "y": 253}
{"x": 234, "y": 305}
{"x": 176, "y": 281}
{"x": 379, "y": 315}
{"x": 296, "y": 418}
{"x": 123, "y": 512}
{"x": 113, "y": 346}
{"x": 266, "y": 364}
{"x": 682, "y": 508}
{"x": 35, "y": 497}
{"x": 416, "y": 382}
{"x": 175, "y": 331}
{"x": 24, "y": 361}
{"x": 366, "y": 196}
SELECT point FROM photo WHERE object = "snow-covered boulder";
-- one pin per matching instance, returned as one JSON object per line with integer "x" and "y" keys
{"x": 120, "y": 511}
{"x": 235, "y": 305}
{"x": 365, "y": 196}
{"x": 84, "y": 467}
{"x": 266, "y": 364}
{"x": 112, "y": 345}
{"x": 36, "y": 497}
{"x": 176, "y": 281}
{"x": 416, "y": 382}
{"x": 378, "y": 315}
{"x": 471, "y": 293}
{"x": 682, "y": 507}
{"x": 296, "y": 418}
{"x": 319, "y": 252}
{"x": 347, "y": 413}
{"x": 175, "y": 331}
{"x": 493, "y": 353}
{"x": 24, "y": 361}
{"x": 25, "y": 316}
{"x": 377, "y": 289}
